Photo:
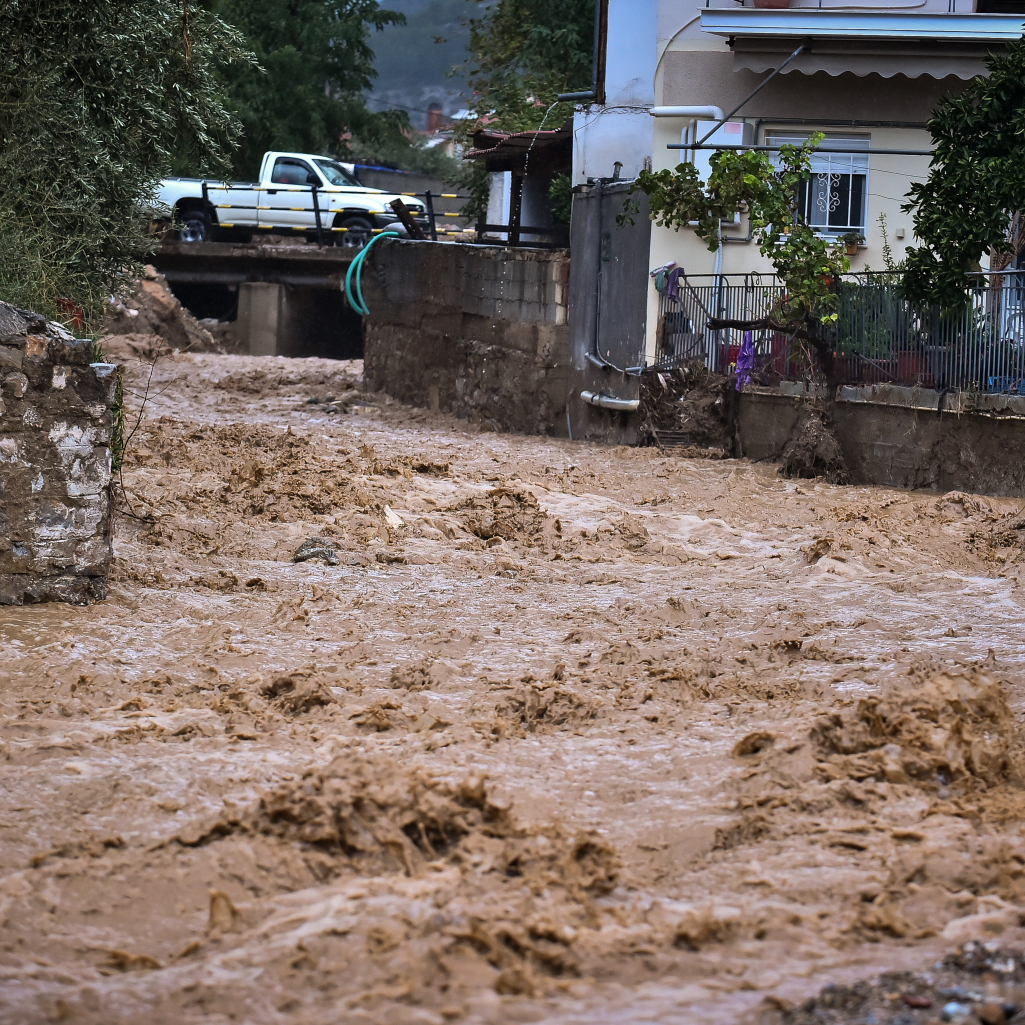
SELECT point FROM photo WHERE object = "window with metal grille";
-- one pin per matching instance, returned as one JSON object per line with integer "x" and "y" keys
{"x": 834, "y": 200}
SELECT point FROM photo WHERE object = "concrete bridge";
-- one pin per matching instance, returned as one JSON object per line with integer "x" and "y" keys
{"x": 291, "y": 296}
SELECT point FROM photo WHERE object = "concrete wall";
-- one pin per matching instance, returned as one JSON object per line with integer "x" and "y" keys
{"x": 896, "y": 440}
{"x": 55, "y": 423}
{"x": 478, "y": 331}
{"x": 291, "y": 320}
{"x": 620, "y": 130}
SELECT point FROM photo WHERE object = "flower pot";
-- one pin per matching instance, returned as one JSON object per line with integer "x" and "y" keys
{"x": 852, "y": 250}
{"x": 777, "y": 4}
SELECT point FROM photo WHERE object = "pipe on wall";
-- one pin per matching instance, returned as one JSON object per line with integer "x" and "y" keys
{"x": 709, "y": 112}
{"x": 610, "y": 402}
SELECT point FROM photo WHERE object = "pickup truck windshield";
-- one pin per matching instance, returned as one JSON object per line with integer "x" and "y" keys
{"x": 336, "y": 174}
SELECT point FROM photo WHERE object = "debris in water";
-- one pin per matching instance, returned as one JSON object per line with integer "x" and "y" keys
{"x": 317, "y": 548}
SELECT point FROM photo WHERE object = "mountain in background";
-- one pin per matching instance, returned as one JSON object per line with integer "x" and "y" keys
{"x": 412, "y": 67}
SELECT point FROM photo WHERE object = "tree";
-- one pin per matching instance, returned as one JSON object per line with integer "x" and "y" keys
{"x": 95, "y": 96}
{"x": 523, "y": 53}
{"x": 315, "y": 65}
{"x": 976, "y": 182}
{"x": 809, "y": 265}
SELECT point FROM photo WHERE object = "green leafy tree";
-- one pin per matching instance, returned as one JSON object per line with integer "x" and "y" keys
{"x": 976, "y": 183}
{"x": 809, "y": 265}
{"x": 95, "y": 97}
{"x": 523, "y": 53}
{"x": 316, "y": 63}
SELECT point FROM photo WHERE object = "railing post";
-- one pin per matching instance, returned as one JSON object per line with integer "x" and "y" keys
{"x": 430, "y": 214}
{"x": 316, "y": 213}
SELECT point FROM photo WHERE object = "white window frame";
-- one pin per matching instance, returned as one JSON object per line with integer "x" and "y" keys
{"x": 837, "y": 156}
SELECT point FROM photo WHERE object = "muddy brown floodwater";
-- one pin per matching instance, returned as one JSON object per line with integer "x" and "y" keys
{"x": 567, "y": 733}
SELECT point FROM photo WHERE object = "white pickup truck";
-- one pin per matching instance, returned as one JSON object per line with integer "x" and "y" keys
{"x": 292, "y": 188}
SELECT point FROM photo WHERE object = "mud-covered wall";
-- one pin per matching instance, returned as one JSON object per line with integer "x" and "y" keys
{"x": 55, "y": 423}
{"x": 904, "y": 446}
{"x": 477, "y": 331}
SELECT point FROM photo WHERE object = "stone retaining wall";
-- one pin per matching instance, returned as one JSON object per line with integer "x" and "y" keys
{"x": 477, "y": 331}
{"x": 55, "y": 424}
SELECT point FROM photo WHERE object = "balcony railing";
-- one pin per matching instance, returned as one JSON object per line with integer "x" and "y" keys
{"x": 880, "y": 336}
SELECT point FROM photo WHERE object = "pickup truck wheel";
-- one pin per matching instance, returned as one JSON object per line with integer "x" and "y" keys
{"x": 359, "y": 233}
{"x": 195, "y": 226}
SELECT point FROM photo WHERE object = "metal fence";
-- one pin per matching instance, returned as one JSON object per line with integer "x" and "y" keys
{"x": 880, "y": 337}
{"x": 319, "y": 228}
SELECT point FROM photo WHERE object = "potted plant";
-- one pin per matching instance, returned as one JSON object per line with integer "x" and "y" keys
{"x": 852, "y": 240}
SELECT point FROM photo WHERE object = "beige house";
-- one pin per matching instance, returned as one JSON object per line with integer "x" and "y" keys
{"x": 867, "y": 75}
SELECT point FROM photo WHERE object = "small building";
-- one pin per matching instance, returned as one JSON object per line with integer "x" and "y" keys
{"x": 523, "y": 166}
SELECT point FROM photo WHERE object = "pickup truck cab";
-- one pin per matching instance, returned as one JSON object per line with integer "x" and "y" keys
{"x": 286, "y": 199}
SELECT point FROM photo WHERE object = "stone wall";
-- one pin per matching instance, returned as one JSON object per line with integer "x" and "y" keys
{"x": 477, "y": 331}
{"x": 55, "y": 423}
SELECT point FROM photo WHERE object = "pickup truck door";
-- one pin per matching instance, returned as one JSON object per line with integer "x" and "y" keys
{"x": 235, "y": 207}
{"x": 287, "y": 194}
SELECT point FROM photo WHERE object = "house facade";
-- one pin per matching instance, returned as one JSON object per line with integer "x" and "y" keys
{"x": 867, "y": 76}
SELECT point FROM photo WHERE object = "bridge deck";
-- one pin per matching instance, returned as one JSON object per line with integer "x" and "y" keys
{"x": 229, "y": 263}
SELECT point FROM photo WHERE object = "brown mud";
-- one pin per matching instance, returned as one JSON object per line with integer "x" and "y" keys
{"x": 149, "y": 322}
{"x": 565, "y": 733}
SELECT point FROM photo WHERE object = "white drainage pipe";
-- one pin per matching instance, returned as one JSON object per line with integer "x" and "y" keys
{"x": 610, "y": 402}
{"x": 709, "y": 112}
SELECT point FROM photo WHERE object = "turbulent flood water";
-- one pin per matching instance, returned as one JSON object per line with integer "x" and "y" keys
{"x": 551, "y": 732}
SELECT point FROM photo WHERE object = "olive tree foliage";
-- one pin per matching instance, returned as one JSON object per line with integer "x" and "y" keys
{"x": 976, "y": 183}
{"x": 808, "y": 264}
{"x": 95, "y": 97}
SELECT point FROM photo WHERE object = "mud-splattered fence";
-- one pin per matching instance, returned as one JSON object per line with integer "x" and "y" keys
{"x": 55, "y": 424}
{"x": 882, "y": 338}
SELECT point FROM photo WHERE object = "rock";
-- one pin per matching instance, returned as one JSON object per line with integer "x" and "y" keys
{"x": 916, "y": 1000}
{"x": 224, "y": 916}
{"x": 317, "y": 548}
{"x": 956, "y": 1012}
{"x": 15, "y": 385}
{"x": 990, "y": 1014}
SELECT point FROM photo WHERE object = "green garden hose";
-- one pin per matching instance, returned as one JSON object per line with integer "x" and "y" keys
{"x": 356, "y": 267}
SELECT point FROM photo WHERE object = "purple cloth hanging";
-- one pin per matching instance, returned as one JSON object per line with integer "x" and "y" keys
{"x": 745, "y": 361}
{"x": 673, "y": 284}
